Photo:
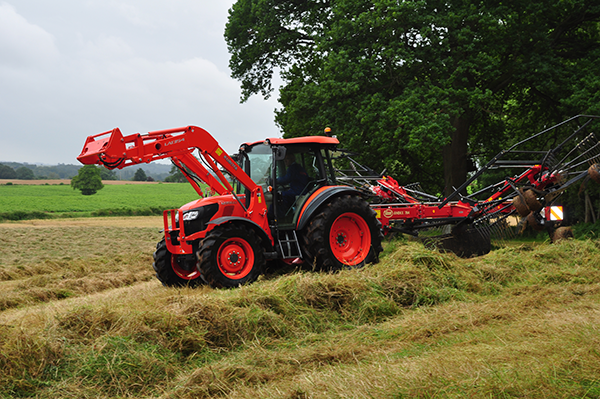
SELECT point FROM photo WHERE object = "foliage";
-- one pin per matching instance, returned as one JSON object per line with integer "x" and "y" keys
{"x": 420, "y": 86}
{"x": 6, "y": 172}
{"x": 60, "y": 171}
{"x": 66, "y": 171}
{"x": 21, "y": 173}
{"x": 107, "y": 174}
{"x": 88, "y": 180}
{"x": 36, "y": 202}
{"x": 588, "y": 230}
{"x": 140, "y": 175}
{"x": 175, "y": 175}
{"x": 24, "y": 173}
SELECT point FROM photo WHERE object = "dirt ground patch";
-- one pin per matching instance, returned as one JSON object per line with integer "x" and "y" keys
{"x": 68, "y": 182}
{"x": 129, "y": 221}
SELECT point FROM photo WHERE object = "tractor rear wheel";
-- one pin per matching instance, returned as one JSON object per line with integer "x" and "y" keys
{"x": 230, "y": 256}
{"x": 173, "y": 270}
{"x": 344, "y": 234}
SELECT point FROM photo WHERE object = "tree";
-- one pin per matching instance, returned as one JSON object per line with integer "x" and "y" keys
{"x": 107, "y": 174}
{"x": 175, "y": 176}
{"x": 140, "y": 175}
{"x": 6, "y": 172}
{"x": 420, "y": 87}
{"x": 88, "y": 180}
{"x": 24, "y": 173}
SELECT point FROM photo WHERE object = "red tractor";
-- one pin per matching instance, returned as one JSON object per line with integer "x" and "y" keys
{"x": 263, "y": 211}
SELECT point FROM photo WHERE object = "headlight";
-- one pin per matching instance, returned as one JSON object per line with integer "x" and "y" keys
{"x": 187, "y": 216}
{"x": 190, "y": 216}
{"x": 195, "y": 220}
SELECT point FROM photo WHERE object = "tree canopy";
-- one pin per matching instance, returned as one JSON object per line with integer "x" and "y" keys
{"x": 175, "y": 176}
{"x": 24, "y": 173}
{"x": 140, "y": 175}
{"x": 422, "y": 87}
{"x": 107, "y": 174}
{"x": 88, "y": 180}
{"x": 6, "y": 172}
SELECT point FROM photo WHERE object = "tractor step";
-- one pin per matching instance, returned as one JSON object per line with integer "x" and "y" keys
{"x": 289, "y": 246}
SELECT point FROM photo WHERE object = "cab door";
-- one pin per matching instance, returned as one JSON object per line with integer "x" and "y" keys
{"x": 297, "y": 172}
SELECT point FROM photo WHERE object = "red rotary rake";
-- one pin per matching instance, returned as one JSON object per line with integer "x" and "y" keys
{"x": 546, "y": 164}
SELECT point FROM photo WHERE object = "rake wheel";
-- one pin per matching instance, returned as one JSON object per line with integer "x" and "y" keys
{"x": 520, "y": 205}
{"x": 532, "y": 201}
{"x": 534, "y": 220}
{"x": 594, "y": 172}
{"x": 562, "y": 233}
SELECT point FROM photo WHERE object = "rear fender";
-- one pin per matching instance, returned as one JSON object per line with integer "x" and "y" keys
{"x": 318, "y": 199}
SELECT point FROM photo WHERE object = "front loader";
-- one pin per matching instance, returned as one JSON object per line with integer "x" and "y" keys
{"x": 226, "y": 240}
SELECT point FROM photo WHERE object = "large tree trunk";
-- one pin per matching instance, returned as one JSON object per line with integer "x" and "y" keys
{"x": 455, "y": 155}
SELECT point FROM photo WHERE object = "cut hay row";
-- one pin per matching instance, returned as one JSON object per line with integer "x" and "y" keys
{"x": 522, "y": 321}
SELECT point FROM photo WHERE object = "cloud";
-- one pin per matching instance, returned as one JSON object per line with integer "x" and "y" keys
{"x": 139, "y": 65}
{"x": 105, "y": 47}
{"x": 23, "y": 44}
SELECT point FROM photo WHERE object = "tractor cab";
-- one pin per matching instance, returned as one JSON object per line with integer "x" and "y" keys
{"x": 290, "y": 171}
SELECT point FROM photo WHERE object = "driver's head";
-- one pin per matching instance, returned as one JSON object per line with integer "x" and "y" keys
{"x": 289, "y": 159}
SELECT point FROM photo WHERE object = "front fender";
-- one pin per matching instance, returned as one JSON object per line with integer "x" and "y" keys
{"x": 265, "y": 236}
{"x": 318, "y": 198}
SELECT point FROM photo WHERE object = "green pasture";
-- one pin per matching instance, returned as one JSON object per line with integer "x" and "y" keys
{"x": 33, "y": 201}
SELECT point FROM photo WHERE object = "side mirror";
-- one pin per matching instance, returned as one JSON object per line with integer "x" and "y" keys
{"x": 280, "y": 153}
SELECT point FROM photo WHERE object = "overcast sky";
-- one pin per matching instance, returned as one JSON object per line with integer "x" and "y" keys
{"x": 74, "y": 68}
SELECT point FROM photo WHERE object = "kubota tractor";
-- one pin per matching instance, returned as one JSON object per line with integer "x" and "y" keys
{"x": 260, "y": 214}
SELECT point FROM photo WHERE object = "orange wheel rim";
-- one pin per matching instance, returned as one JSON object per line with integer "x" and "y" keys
{"x": 181, "y": 272}
{"x": 235, "y": 258}
{"x": 350, "y": 239}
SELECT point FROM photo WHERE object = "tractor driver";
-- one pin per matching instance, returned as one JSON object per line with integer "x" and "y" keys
{"x": 296, "y": 177}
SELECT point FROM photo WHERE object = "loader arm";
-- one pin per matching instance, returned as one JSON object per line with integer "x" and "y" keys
{"x": 113, "y": 150}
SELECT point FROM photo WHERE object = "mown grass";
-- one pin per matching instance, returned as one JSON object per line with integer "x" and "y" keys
{"x": 20, "y": 202}
{"x": 522, "y": 321}
{"x": 45, "y": 264}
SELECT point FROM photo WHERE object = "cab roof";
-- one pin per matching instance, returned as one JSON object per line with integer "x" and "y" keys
{"x": 297, "y": 140}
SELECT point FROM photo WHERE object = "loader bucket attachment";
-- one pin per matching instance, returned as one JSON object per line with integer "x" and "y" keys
{"x": 109, "y": 150}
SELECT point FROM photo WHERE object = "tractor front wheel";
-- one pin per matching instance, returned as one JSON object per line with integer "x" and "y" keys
{"x": 173, "y": 270}
{"x": 345, "y": 234}
{"x": 230, "y": 256}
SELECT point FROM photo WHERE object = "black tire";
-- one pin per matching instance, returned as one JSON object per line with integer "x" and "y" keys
{"x": 170, "y": 272}
{"x": 230, "y": 255}
{"x": 335, "y": 237}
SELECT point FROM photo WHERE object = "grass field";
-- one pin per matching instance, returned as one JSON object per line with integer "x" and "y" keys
{"x": 39, "y": 201}
{"x": 83, "y": 317}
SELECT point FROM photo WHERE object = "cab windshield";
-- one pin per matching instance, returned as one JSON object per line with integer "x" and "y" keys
{"x": 260, "y": 159}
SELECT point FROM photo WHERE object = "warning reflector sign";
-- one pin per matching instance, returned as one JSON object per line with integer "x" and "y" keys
{"x": 554, "y": 213}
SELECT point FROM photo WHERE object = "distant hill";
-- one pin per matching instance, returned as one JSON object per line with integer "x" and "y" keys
{"x": 66, "y": 171}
